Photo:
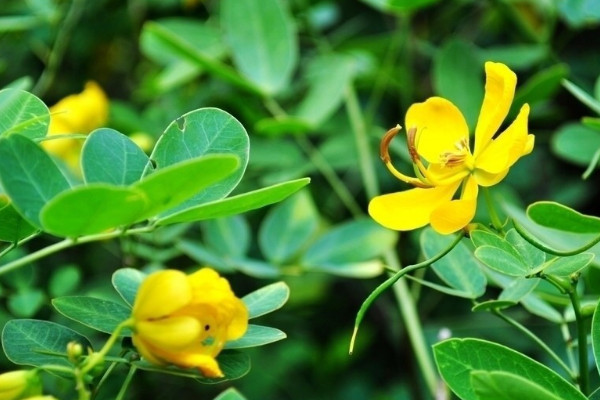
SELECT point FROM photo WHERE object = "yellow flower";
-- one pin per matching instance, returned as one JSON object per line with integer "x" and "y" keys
{"x": 78, "y": 113}
{"x": 18, "y": 384}
{"x": 438, "y": 134}
{"x": 185, "y": 320}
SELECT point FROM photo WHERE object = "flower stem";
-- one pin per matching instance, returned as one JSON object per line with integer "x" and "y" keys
{"x": 361, "y": 138}
{"x": 492, "y": 210}
{"x": 537, "y": 340}
{"x": 69, "y": 242}
{"x": 126, "y": 383}
{"x": 584, "y": 382}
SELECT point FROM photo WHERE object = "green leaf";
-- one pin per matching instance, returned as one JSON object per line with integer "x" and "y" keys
{"x": 230, "y": 394}
{"x": 501, "y": 261}
{"x": 229, "y": 237}
{"x": 458, "y": 268}
{"x": 266, "y": 50}
{"x": 255, "y": 268}
{"x": 64, "y": 280}
{"x": 37, "y": 343}
{"x": 172, "y": 186}
{"x": 531, "y": 255}
{"x": 457, "y": 358}
{"x": 13, "y": 227}
{"x": 26, "y": 302}
{"x": 199, "y": 133}
{"x": 566, "y": 266}
{"x": 441, "y": 288}
{"x": 359, "y": 269}
{"x": 203, "y": 255}
{"x": 85, "y": 210}
{"x": 456, "y": 67}
{"x": 101, "y": 315}
{"x": 111, "y": 157}
{"x": 181, "y": 47}
{"x": 541, "y": 86}
{"x": 256, "y": 335}
{"x": 349, "y": 243}
{"x": 576, "y": 143}
{"x": 582, "y": 96}
{"x": 234, "y": 365}
{"x": 237, "y": 204}
{"x": 518, "y": 289}
{"x": 202, "y": 37}
{"x": 501, "y": 385}
{"x": 483, "y": 238}
{"x": 287, "y": 125}
{"x": 329, "y": 76}
{"x": 288, "y": 227}
{"x": 126, "y": 282}
{"x": 579, "y": 13}
{"x": 557, "y": 216}
{"x": 266, "y": 299}
{"x": 29, "y": 176}
{"x": 23, "y": 113}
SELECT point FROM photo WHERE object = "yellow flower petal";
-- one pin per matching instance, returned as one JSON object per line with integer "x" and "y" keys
{"x": 440, "y": 126}
{"x": 161, "y": 294}
{"x": 79, "y": 113}
{"x": 487, "y": 179}
{"x": 145, "y": 351}
{"x": 456, "y": 214}
{"x": 500, "y": 86}
{"x": 410, "y": 209}
{"x": 170, "y": 334}
{"x": 206, "y": 364}
{"x": 239, "y": 322}
{"x": 508, "y": 147}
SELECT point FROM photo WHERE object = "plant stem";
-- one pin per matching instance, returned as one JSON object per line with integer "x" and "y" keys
{"x": 537, "y": 340}
{"x": 361, "y": 138}
{"x": 69, "y": 242}
{"x": 126, "y": 383}
{"x": 584, "y": 382}
{"x": 406, "y": 303}
{"x": 60, "y": 46}
{"x": 492, "y": 210}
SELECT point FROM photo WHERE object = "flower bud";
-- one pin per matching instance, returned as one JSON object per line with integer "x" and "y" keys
{"x": 19, "y": 384}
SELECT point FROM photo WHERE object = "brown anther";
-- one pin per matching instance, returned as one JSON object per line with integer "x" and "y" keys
{"x": 385, "y": 143}
{"x": 411, "y": 136}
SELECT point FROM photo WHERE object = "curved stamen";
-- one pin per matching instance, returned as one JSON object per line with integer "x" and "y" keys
{"x": 385, "y": 157}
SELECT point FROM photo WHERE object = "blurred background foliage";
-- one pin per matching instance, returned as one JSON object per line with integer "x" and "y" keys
{"x": 321, "y": 71}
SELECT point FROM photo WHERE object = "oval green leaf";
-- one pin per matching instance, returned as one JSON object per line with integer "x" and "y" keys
{"x": 199, "y": 133}
{"x": 458, "y": 358}
{"x": 34, "y": 342}
{"x": 288, "y": 227}
{"x": 566, "y": 266}
{"x": 23, "y": 113}
{"x": 171, "y": 186}
{"x": 126, "y": 282}
{"x": 13, "y": 227}
{"x": 501, "y": 261}
{"x": 501, "y": 385}
{"x": 237, "y": 204}
{"x": 85, "y": 210}
{"x": 459, "y": 269}
{"x": 266, "y": 299}
{"x": 29, "y": 176}
{"x": 348, "y": 243}
{"x": 266, "y": 50}
{"x": 256, "y": 335}
{"x": 99, "y": 314}
{"x": 557, "y": 216}
{"x": 109, "y": 156}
